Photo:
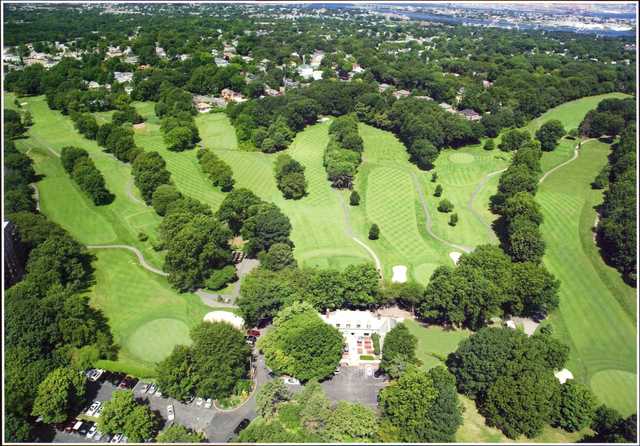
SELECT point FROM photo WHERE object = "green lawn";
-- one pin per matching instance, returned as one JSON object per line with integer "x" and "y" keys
{"x": 147, "y": 317}
{"x": 435, "y": 339}
{"x": 596, "y": 316}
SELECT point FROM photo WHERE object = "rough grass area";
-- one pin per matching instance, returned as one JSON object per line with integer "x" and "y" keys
{"x": 434, "y": 342}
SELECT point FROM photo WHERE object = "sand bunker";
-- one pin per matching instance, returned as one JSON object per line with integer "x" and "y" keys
{"x": 399, "y": 274}
{"x": 455, "y": 256}
{"x": 139, "y": 126}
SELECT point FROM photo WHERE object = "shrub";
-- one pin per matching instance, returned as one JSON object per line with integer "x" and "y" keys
{"x": 445, "y": 206}
{"x": 143, "y": 237}
{"x": 221, "y": 277}
{"x": 375, "y": 338}
{"x": 489, "y": 145}
{"x": 438, "y": 191}
{"x": 374, "y": 232}
{"x": 434, "y": 177}
{"x": 453, "y": 220}
{"x": 354, "y": 198}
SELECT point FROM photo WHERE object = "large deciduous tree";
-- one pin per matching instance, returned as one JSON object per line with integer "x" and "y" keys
{"x": 61, "y": 392}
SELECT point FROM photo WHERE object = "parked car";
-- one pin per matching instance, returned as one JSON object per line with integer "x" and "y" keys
{"x": 129, "y": 382}
{"x": 199, "y": 401}
{"x": 98, "y": 436}
{"x": 68, "y": 426}
{"x": 208, "y": 403}
{"x": 189, "y": 399}
{"x": 158, "y": 393}
{"x": 115, "y": 378}
{"x": 117, "y": 438}
{"x": 144, "y": 388}
{"x": 251, "y": 339}
{"x": 93, "y": 408}
{"x": 346, "y": 348}
{"x": 253, "y": 332}
{"x": 291, "y": 381}
{"x": 152, "y": 389}
{"x": 76, "y": 426}
{"x": 92, "y": 431}
{"x": 337, "y": 371}
{"x": 170, "y": 413}
{"x": 99, "y": 411}
{"x": 244, "y": 423}
{"x": 84, "y": 428}
{"x": 96, "y": 375}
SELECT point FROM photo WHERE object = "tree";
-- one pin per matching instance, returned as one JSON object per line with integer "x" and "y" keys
{"x": 149, "y": 172}
{"x": 163, "y": 196}
{"x": 221, "y": 277}
{"x": 445, "y": 206}
{"x": 61, "y": 392}
{"x": 199, "y": 247}
{"x": 270, "y": 395}
{"x": 522, "y": 205}
{"x": 453, "y": 220}
{"x": 438, "y": 191}
{"x": 122, "y": 414}
{"x": 535, "y": 290}
{"x": 265, "y": 226}
{"x": 374, "y": 232}
{"x": 525, "y": 243}
{"x": 279, "y": 256}
{"x": 549, "y": 133}
{"x": 351, "y": 422}
{"x": 178, "y": 139}
{"x": 175, "y": 373}
{"x": 576, "y": 407}
{"x": 610, "y": 427}
{"x": 405, "y": 404}
{"x": 513, "y": 140}
{"x": 489, "y": 145}
{"x": 234, "y": 209}
{"x": 360, "y": 283}
{"x": 177, "y": 433}
{"x": 220, "y": 359}
{"x": 354, "y": 198}
{"x": 263, "y": 293}
{"x": 301, "y": 344}
{"x": 445, "y": 414}
{"x": 522, "y": 404}
{"x": 399, "y": 341}
{"x": 423, "y": 153}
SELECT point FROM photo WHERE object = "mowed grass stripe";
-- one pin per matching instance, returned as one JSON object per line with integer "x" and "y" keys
{"x": 599, "y": 329}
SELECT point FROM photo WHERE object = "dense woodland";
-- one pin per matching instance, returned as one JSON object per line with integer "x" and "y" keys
{"x": 509, "y": 77}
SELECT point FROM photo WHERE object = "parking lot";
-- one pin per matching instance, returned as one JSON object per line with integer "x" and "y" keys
{"x": 355, "y": 384}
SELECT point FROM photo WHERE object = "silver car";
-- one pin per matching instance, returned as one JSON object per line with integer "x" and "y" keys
{"x": 170, "y": 413}
{"x": 208, "y": 403}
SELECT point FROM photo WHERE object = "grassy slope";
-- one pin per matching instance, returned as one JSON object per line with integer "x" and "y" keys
{"x": 596, "y": 313}
{"x": 132, "y": 298}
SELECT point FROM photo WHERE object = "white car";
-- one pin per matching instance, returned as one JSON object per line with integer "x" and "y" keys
{"x": 170, "y": 413}
{"x": 99, "y": 411}
{"x": 98, "y": 436}
{"x": 96, "y": 375}
{"x": 291, "y": 381}
{"x": 158, "y": 393}
{"x": 208, "y": 403}
{"x": 92, "y": 431}
{"x": 199, "y": 401}
{"x": 93, "y": 408}
{"x": 117, "y": 438}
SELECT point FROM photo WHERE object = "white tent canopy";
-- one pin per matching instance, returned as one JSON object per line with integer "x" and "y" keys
{"x": 225, "y": 316}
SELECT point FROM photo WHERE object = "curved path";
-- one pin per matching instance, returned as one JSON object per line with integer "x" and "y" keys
{"x": 132, "y": 197}
{"x": 475, "y": 193}
{"x": 429, "y": 223}
{"x": 134, "y": 250}
{"x": 572, "y": 159}
{"x": 349, "y": 230}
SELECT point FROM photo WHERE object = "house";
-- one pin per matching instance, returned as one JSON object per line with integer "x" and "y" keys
{"x": 316, "y": 58}
{"x": 305, "y": 71}
{"x": 229, "y": 95}
{"x": 424, "y": 98}
{"x": 383, "y": 87}
{"x": 271, "y": 92}
{"x": 357, "y": 68}
{"x": 486, "y": 83}
{"x": 123, "y": 76}
{"x": 360, "y": 323}
{"x": 93, "y": 85}
{"x": 219, "y": 61}
{"x": 446, "y": 107}
{"x": 160, "y": 52}
{"x": 510, "y": 324}
{"x": 316, "y": 75}
{"x": 401, "y": 94}
{"x": 470, "y": 115}
{"x": 184, "y": 57}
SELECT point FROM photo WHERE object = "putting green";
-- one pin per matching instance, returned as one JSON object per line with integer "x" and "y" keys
{"x": 461, "y": 158}
{"x": 154, "y": 341}
{"x": 611, "y": 387}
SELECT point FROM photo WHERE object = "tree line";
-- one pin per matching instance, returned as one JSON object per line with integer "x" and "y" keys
{"x": 83, "y": 171}
{"x": 219, "y": 172}
{"x": 343, "y": 153}
{"x": 176, "y": 110}
{"x": 616, "y": 229}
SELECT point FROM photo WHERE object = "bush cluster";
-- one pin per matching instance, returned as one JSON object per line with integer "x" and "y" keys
{"x": 344, "y": 152}
{"x": 290, "y": 177}
{"x": 218, "y": 171}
